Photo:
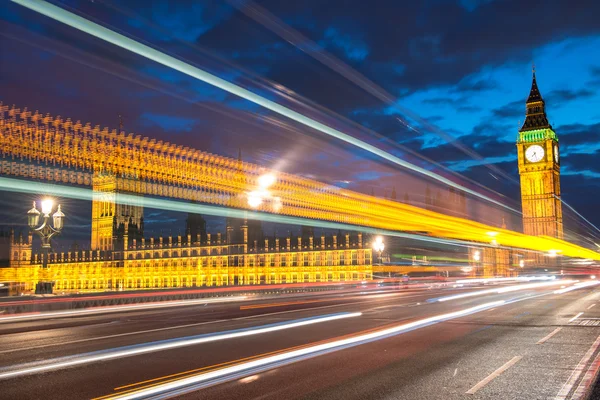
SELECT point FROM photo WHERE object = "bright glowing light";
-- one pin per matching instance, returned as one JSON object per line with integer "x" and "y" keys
{"x": 593, "y": 276}
{"x": 266, "y": 180}
{"x": 101, "y": 310}
{"x": 476, "y": 255}
{"x": 170, "y": 344}
{"x": 77, "y": 22}
{"x": 277, "y": 204}
{"x": 378, "y": 244}
{"x": 521, "y": 263}
{"x": 492, "y": 234}
{"x": 279, "y": 359}
{"x": 255, "y": 199}
{"x": 47, "y": 206}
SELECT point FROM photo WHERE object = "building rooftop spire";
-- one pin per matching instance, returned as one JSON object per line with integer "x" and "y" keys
{"x": 535, "y": 109}
{"x": 534, "y": 93}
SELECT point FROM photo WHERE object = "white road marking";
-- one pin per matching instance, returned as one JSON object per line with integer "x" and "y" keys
{"x": 545, "y": 338}
{"x": 591, "y": 306}
{"x": 566, "y": 389}
{"x": 575, "y": 317}
{"x": 455, "y": 371}
{"x": 494, "y": 375}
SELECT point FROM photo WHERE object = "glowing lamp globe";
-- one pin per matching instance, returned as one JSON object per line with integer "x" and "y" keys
{"x": 33, "y": 217}
{"x": 47, "y": 206}
{"x": 58, "y": 219}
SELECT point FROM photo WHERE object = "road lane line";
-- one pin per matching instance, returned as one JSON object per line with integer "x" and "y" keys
{"x": 566, "y": 389}
{"x": 545, "y": 338}
{"x": 127, "y": 351}
{"x": 494, "y": 375}
{"x": 591, "y": 306}
{"x": 575, "y": 317}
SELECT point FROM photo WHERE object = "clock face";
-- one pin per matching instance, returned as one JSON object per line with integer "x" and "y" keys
{"x": 534, "y": 153}
{"x": 556, "y": 157}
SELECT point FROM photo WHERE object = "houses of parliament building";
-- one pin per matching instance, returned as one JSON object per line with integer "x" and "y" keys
{"x": 121, "y": 258}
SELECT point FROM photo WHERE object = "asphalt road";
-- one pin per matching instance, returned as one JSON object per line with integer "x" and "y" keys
{"x": 514, "y": 345}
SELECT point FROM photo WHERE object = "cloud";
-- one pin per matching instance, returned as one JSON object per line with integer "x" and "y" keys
{"x": 560, "y": 96}
{"x": 481, "y": 85}
{"x": 512, "y": 110}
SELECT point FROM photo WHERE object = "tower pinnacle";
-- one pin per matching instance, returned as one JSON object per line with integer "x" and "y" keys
{"x": 535, "y": 108}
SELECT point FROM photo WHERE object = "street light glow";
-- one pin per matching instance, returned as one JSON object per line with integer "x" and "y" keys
{"x": 266, "y": 180}
{"x": 254, "y": 199}
{"x": 47, "y": 206}
{"x": 378, "y": 245}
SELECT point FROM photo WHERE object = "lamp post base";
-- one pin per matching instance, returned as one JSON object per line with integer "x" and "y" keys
{"x": 44, "y": 287}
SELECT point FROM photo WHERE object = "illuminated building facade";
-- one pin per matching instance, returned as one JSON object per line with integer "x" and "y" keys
{"x": 539, "y": 168}
{"x": 171, "y": 262}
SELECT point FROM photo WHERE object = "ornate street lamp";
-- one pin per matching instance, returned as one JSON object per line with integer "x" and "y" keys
{"x": 45, "y": 231}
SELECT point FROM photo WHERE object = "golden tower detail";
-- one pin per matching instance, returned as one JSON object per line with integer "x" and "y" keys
{"x": 539, "y": 168}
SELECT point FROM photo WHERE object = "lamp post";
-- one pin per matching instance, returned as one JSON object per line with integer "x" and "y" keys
{"x": 45, "y": 231}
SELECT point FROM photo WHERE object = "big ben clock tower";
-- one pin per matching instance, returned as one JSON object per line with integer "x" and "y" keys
{"x": 539, "y": 167}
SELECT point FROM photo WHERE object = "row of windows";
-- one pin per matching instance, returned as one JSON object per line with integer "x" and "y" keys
{"x": 212, "y": 280}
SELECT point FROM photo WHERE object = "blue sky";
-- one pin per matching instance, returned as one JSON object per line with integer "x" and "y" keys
{"x": 463, "y": 66}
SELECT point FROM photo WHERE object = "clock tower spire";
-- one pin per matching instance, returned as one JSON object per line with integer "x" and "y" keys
{"x": 539, "y": 168}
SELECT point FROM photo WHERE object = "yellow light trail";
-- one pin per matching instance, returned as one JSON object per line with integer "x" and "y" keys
{"x": 383, "y": 221}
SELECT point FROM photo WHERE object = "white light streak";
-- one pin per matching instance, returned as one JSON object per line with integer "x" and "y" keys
{"x": 91, "y": 28}
{"x": 520, "y": 279}
{"x": 170, "y": 344}
{"x": 102, "y": 310}
{"x": 501, "y": 290}
{"x": 307, "y": 351}
{"x": 580, "y": 285}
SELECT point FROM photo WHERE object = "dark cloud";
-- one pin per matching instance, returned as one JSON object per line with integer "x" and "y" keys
{"x": 512, "y": 110}
{"x": 480, "y": 85}
{"x": 582, "y": 162}
{"x": 578, "y": 134}
{"x": 560, "y": 96}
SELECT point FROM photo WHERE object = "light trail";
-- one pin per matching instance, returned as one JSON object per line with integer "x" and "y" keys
{"x": 533, "y": 243}
{"x": 110, "y": 309}
{"x": 170, "y": 344}
{"x": 577, "y": 286}
{"x": 520, "y": 278}
{"x": 240, "y": 370}
{"x": 501, "y": 290}
{"x": 91, "y": 28}
{"x": 23, "y": 186}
